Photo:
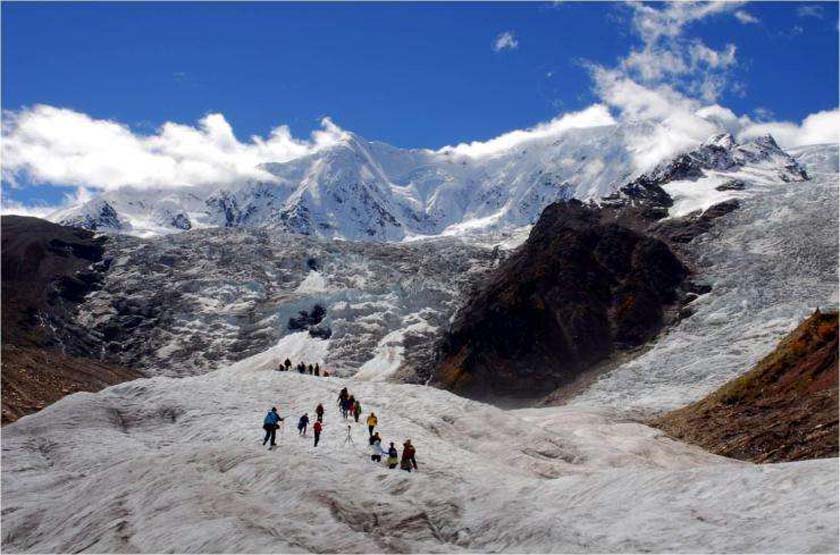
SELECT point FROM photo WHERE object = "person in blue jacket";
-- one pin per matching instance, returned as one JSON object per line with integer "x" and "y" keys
{"x": 270, "y": 425}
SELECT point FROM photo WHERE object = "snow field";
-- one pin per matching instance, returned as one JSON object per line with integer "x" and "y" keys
{"x": 177, "y": 465}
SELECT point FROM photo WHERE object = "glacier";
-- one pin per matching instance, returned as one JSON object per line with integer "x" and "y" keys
{"x": 177, "y": 465}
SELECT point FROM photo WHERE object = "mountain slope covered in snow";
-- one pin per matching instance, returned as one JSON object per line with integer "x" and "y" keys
{"x": 361, "y": 190}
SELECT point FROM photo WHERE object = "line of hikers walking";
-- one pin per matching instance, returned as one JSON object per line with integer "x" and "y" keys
{"x": 303, "y": 368}
{"x": 348, "y": 405}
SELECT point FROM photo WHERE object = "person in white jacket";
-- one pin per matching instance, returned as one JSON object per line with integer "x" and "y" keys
{"x": 376, "y": 450}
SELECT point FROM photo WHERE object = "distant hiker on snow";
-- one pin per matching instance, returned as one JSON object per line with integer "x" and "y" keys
{"x": 310, "y": 369}
{"x": 376, "y": 450}
{"x": 408, "y": 457}
{"x": 316, "y": 428}
{"x": 357, "y": 410}
{"x": 392, "y": 456}
{"x": 317, "y": 369}
{"x": 319, "y": 412}
{"x": 302, "y": 424}
{"x": 372, "y": 421}
{"x": 270, "y": 426}
{"x": 288, "y": 364}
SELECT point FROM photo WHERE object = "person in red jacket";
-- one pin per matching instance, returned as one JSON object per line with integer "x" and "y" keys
{"x": 408, "y": 462}
{"x": 317, "y": 429}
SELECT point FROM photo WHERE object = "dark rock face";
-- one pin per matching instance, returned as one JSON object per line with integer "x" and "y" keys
{"x": 577, "y": 291}
{"x": 732, "y": 185}
{"x": 182, "y": 222}
{"x": 306, "y": 318}
{"x": 683, "y": 230}
{"x": 47, "y": 270}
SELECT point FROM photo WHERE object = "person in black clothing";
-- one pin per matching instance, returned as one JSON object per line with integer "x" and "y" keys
{"x": 310, "y": 369}
{"x": 319, "y": 412}
{"x": 302, "y": 424}
{"x": 342, "y": 402}
{"x": 288, "y": 364}
{"x": 392, "y": 456}
{"x": 317, "y": 369}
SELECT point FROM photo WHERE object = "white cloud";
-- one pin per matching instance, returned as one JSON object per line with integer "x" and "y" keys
{"x": 594, "y": 116}
{"x": 653, "y": 23}
{"x": 822, "y": 127}
{"x": 666, "y": 57}
{"x": 810, "y": 11}
{"x": 58, "y": 146}
{"x": 745, "y": 17}
{"x": 681, "y": 128}
{"x": 505, "y": 41}
{"x": 79, "y": 196}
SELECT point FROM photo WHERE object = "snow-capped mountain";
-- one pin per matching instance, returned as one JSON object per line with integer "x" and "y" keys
{"x": 361, "y": 190}
{"x": 176, "y": 463}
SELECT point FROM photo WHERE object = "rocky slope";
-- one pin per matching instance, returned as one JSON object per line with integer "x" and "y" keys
{"x": 47, "y": 271}
{"x": 768, "y": 264}
{"x": 594, "y": 281}
{"x": 577, "y": 291}
{"x": 784, "y": 409}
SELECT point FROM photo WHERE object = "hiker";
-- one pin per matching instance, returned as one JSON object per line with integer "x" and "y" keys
{"x": 319, "y": 412}
{"x": 326, "y": 374}
{"x": 317, "y": 369}
{"x": 316, "y": 428}
{"x": 349, "y": 438}
{"x": 288, "y": 364}
{"x": 344, "y": 403}
{"x": 270, "y": 426}
{"x": 310, "y": 369}
{"x": 357, "y": 410}
{"x": 376, "y": 450}
{"x": 342, "y": 395}
{"x": 350, "y": 402}
{"x": 372, "y": 421}
{"x": 408, "y": 457}
{"x": 301, "y": 368}
{"x": 392, "y": 456}
{"x": 302, "y": 423}
{"x": 373, "y": 438}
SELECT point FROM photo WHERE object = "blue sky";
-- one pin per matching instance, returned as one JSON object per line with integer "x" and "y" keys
{"x": 414, "y": 75}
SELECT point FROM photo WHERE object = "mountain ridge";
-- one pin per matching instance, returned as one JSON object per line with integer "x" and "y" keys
{"x": 371, "y": 191}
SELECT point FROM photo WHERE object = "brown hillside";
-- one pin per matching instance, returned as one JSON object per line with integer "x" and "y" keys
{"x": 784, "y": 409}
{"x": 47, "y": 269}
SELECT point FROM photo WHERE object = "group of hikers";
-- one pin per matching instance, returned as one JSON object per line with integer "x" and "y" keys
{"x": 348, "y": 405}
{"x": 312, "y": 370}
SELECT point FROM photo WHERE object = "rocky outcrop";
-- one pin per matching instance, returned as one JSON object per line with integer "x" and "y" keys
{"x": 47, "y": 270}
{"x": 575, "y": 293}
{"x": 683, "y": 230}
{"x": 784, "y": 409}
